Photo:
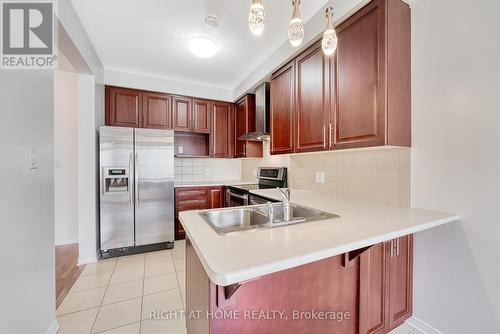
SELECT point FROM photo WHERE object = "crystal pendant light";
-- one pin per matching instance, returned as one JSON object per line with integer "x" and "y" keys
{"x": 329, "y": 42}
{"x": 257, "y": 18}
{"x": 296, "y": 28}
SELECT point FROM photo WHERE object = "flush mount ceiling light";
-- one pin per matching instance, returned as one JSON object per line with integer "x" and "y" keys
{"x": 329, "y": 41}
{"x": 202, "y": 47}
{"x": 257, "y": 17}
{"x": 296, "y": 28}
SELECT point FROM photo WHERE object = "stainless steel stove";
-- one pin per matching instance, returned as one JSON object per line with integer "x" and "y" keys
{"x": 269, "y": 177}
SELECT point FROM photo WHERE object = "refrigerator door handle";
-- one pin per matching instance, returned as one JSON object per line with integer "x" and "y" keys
{"x": 136, "y": 178}
{"x": 131, "y": 177}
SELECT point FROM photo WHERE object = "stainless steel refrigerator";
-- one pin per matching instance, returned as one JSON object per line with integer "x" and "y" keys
{"x": 136, "y": 190}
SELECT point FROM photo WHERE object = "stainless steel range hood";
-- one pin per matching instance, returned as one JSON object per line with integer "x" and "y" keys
{"x": 262, "y": 115}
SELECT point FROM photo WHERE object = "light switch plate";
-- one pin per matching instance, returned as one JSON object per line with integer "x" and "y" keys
{"x": 320, "y": 177}
{"x": 34, "y": 159}
{"x": 206, "y": 171}
{"x": 180, "y": 149}
{"x": 59, "y": 164}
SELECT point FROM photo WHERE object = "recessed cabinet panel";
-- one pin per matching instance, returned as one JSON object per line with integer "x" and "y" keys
{"x": 282, "y": 110}
{"x": 181, "y": 108}
{"x": 123, "y": 107}
{"x": 201, "y": 116}
{"x": 312, "y": 104}
{"x": 222, "y": 134}
{"x": 360, "y": 79}
{"x": 157, "y": 112}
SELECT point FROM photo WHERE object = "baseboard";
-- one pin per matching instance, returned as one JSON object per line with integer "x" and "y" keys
{"x": 54, "y": 328}
{"x": 66, "y": 242}
{"x": 422, "y": 326}
{"x": 87, "y": 260}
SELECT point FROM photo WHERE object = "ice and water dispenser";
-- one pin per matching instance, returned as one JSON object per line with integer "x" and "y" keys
{"x": 116, "y": 180}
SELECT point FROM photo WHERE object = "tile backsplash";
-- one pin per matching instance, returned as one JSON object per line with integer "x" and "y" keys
{"x": 379, "y": 174}
{"x": 207, "y": 169}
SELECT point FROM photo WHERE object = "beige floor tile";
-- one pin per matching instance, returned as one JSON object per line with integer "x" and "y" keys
{"x": 127, "y": 275}
{"x": 128, "y": 329}
{"x": 159, "y": 256}
{"x": 123, "y": 291}
{"x": 403, "y": 329}
{"x": 78, "y": 322}
{"x": 179, "y": 252}
{"x": 180, "y": 265}
{"x": 159, "y": 268}
{"x": 79, "y": 301}
{"x": 183, "y": 294}
{"x": 103, "y": 266}
{"x": 181, "y": 278}
{"x": 164, "y": 301}
{"x": 160, "y": 283}
{"x": 177, "y": 326}
{"x": 134, "y": 264}
{"x": 131, "y": 260}
{"x": 119, "y": 314}
{"x": 91, "y": 282}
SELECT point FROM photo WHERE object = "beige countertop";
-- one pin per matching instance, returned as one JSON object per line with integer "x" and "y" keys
{"x": 213, "y": 183}
{"x": 246, "y": 255}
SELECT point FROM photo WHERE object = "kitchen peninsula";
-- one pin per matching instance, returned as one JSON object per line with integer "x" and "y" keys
{"x": 341, "y": 264}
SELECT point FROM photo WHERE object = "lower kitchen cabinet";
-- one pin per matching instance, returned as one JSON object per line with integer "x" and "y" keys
{"x": 195, "y": 198}
{"x": 385, "y": 286}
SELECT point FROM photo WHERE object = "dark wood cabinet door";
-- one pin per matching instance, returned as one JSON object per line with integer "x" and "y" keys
{"x": 216, "y": 197}
{"x": 241, "y": 115}
{"x": 312, "y": 100}
{"x": 181, "y": 109}
{"x": 282, "y": 110}
{"x": 359, "y": 94}
{"x": 123, "y": 107}
{"x": 201, "y": 116}
{"x": 221, "y": 138}
{"x": 156, "y": 111}
{"x": 400, "y": 277}
{"x": 245, "y": 122}
{"x": 373, "y": 290}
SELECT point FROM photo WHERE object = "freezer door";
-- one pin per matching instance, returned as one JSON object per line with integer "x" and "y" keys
{"x": 116, "y": 187}
{"x": 154, "y": 188}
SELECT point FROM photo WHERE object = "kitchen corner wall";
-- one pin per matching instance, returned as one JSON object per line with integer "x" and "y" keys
{"x": 380, "y": 174}
{"x": 207, "y": 169}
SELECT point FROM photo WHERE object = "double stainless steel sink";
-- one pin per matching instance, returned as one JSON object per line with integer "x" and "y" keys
{"x": 231, "y": 220}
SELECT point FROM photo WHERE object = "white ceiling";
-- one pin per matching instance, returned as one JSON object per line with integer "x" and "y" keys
{"x": 149, "y": 36}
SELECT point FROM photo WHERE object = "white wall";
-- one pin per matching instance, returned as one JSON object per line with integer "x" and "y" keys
{"x": 87, "y": 173}
{"x": 27, "y": 283}
{"x": 127, "y": 79}
{"x": 456, "y": 162}
{"x": 66, "y": 155}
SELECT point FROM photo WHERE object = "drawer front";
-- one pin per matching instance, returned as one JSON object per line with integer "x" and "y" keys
{"x": 192, "y": 204}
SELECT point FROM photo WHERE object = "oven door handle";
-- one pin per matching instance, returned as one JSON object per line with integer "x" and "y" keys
{"x": 243, "y": 197}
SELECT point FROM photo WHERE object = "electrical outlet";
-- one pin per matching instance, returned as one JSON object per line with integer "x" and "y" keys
{"x": 180, "y": 149}
{"x": 255, "y": 172}
{"x": 320, "y": 177}
{"x": 59, "y": 164}
{"x": 206, "y": 171}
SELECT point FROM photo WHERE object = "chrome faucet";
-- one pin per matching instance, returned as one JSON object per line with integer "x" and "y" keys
{"x": 270, "y": 213}
{"x": 287, "y": 211}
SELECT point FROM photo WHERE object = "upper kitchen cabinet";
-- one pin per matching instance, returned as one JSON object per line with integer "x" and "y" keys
{"x": 245, "y": 123}
{"x": 222, "y": 132}
{"x": 201, "y": 116}
{"x": 123, "y": 107}
{"x": 371, "y": 95}
{"x": 312, "y": 100}
{"x": 282, "y": 110}
{"x": 156, "y": 110}
{"x": 181, "y": 109}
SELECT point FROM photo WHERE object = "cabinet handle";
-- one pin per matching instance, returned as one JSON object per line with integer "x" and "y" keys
{"x": 324, "y": 136}
{"x": 392, "y": 248}
{"x": 201, "y": 201}
{"x": 245, "y": 150}
{"x": 397, "y": 246}
{"x": 330, "y": 135}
